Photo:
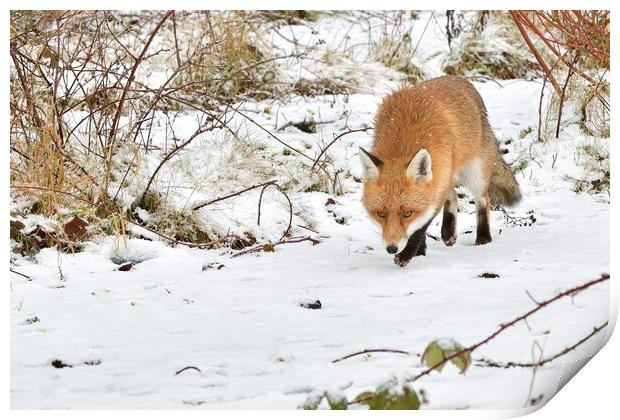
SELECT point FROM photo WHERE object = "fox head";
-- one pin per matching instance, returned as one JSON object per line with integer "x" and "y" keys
{"x": 397, "y": 195}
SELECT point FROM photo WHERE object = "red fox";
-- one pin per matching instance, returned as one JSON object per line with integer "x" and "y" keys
{"x": 428, "y": 139}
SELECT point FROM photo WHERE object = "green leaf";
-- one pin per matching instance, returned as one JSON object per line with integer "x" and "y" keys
{"x": 432, "y": 355}
{"x": 312, "y": 402}
{"x": 391, "y": 395}
{"x": 365, "y": 397}
{"x": 337, "y": 401}
{"x": 390, "y": 399}
{"x": 463, "y": 361}
{"x": 443, "y": 349}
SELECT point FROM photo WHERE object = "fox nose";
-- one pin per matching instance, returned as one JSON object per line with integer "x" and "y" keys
{"x": 391, "y": 249}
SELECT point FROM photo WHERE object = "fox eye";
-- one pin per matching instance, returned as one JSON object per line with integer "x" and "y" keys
{"x": 381, "y": 214}
{"x": 407, "y": 214}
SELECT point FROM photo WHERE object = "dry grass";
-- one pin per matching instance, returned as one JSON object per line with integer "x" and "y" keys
{"x": 396, "y": 47}
{"x": 490, "y": 49}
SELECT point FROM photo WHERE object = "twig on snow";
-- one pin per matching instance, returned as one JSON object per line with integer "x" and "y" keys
{"x": 187, "y": 368}
{"x": 20, "y": 274}
{"x": 358, "y": 353}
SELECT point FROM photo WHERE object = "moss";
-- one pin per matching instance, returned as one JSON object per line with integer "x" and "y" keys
{"x": 596, "y": 162}
{"x": 307, "y": 126}
{"x": 315, "y": 187}
{"x": 520, "y": 165}
{"x": 151, "y": 201}
{"x": 525, "y": 132}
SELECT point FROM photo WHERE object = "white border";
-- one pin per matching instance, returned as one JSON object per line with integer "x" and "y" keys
{"x": 593, "y": 394}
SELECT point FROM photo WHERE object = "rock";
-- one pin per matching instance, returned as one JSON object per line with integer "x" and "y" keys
{"x": 212, "y": 266}
{"x": 311, "y": 304}
{"x": 59, "y": 364}
{"x": 126, "y": 266}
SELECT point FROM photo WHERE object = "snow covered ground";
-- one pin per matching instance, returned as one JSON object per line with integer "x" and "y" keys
{"x": 125, "y": 334}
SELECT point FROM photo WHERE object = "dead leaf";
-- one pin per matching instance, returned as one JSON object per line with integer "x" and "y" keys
{"x": 75, "y": 228}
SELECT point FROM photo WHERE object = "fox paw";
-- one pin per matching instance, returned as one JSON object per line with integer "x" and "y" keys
{"x": 449, "y": 241}
{"x": 481, "y": 240}
{"x": 401, "y": 261}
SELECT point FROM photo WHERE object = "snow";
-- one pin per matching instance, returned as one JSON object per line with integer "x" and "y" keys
{"x": 244, "y": 326}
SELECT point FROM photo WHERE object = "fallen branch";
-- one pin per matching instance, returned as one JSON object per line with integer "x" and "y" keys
{"x": 215, "y": 200}
{"x": 261, "y": 247}
{"x": 201, "y": 245}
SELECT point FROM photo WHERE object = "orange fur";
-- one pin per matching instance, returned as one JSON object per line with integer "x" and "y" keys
{"x": 447, "y": 117}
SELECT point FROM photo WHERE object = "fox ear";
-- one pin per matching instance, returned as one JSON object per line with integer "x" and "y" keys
{"x": 370, "y": 164}
{"x": 419, "y": 169}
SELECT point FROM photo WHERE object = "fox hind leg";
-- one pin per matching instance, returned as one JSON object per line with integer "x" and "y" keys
{"x": 483, "y": 212}
{"x": 448, "y": 224}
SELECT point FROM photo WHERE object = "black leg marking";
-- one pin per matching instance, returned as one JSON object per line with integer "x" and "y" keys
{"x": 483, "y": 231}
{"x": 448, "y": 225}
{"x": 416, "y": 246}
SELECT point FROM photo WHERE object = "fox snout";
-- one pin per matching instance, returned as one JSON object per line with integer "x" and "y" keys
{"x": 394, "y": 236}
{"x": 391, "y": 249}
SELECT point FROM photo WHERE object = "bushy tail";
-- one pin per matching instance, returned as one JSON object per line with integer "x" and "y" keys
{"x": 504, "y": 188}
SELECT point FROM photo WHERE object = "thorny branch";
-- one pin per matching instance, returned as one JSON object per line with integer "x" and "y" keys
{"x": 484, "y": 362}
{"x": 490, "y": 363}
{"x": 503, "y": 327}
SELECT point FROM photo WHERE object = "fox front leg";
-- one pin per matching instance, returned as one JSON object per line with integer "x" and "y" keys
{"x": 416, "y": 246}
